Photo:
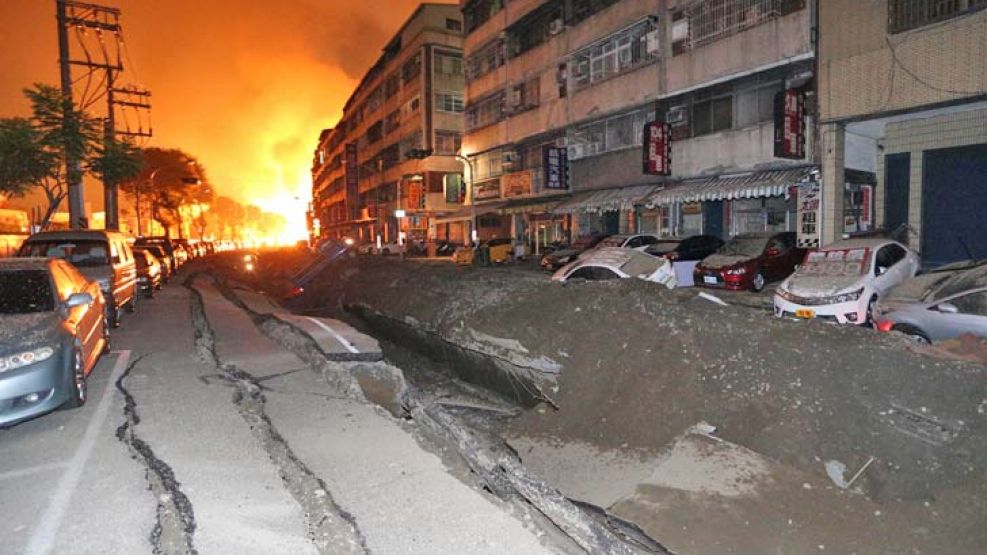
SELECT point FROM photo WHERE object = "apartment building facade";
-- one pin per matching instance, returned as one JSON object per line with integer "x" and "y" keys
{"x": 364, "y": 183}
{"x": 618, "y": 85}
{"x": 903, "y": 94}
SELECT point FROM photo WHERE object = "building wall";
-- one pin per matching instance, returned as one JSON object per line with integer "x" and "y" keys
{"x": 865, "y": 70}
{"x": 960, "y": 128}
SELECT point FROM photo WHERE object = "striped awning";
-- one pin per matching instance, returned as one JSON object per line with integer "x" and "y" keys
{"x": 606, "y": 200}
{"x": 758, "y": 184}
{"x": 533, "y": 205}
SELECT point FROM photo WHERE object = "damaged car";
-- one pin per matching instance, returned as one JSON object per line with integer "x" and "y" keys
{"x": 750, "y": 261}
{"x": 607, "y": 263}
{"x": 842, "y": 281}
{"x": 52, "y": 332}
{"x": 561, "y": 257}
{"x": 939, "y": 305}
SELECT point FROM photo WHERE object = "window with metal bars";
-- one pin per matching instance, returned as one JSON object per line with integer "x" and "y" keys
{"x": 705, "y": 21}
{"x": 904, "y": 15}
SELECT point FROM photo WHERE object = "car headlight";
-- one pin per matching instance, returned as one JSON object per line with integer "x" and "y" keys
{"x": 736, "y": 271}
{"x": 19, "y": 360}
{"x": 843, "y": 298}
{"x": 784, "y": 293}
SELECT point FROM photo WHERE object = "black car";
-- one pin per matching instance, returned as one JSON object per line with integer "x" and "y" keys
{"x": 565, "y": 255}
{"x": 696, "y": 247}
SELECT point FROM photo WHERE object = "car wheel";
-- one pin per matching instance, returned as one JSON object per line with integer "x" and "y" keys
{"x": 912, "y": 331}
{"x": 106, "y": 337}
{"x": 757, "y": 284}
{"x": 113, "y": 313}
{"x": 80, "y": 389}
{"x": 870, "y": 311}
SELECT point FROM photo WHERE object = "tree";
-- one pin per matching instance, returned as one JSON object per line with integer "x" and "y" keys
{"x": 117, "y": 162}
{"x": 35, "y": 152}
{"x": 170, "y": 179}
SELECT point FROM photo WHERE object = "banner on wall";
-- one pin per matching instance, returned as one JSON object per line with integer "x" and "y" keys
{"x": 658, "y": 148}
{"x": 790, "y": 125}
{"x": 517, "y": 184}
{"x": 556, "y": 165}
{"x": 809, "y": 214}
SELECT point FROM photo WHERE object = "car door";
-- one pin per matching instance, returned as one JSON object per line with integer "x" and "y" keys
{"x": 774, "y": 260}
{"x": 964, "y": 313}
{"x": 83, "y": 320}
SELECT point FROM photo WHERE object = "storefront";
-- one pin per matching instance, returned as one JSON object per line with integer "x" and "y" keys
{"x": 533, "y": 222}
{"x": 606, "y": 210}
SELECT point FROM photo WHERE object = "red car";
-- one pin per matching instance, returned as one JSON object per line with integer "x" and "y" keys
{"x": 749, "y": 261}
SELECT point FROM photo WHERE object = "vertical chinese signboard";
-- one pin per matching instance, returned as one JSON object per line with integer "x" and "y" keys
{"x": 790, "y": 125}
{"x": 352, "y": 183}
{"x": 809, "y": 213}
{"x": 556, "y": 166}
{"x": 658, "y": 148}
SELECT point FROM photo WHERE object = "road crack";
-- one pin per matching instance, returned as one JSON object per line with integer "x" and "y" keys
{"x": 174, "y": 529}
{"x": 331, "y": 529}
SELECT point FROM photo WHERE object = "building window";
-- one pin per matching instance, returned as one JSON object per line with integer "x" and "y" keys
{"x": 524, "y": 96}
{"x": 912, "y": 14}
{"x": 535, "y": 28}
{"x": 454, "y": 24}
{"x": 477, "y": 13}
{"x": 448, "y": 142}
{"x": 584, "y": 9}
{"x": 449, "y": 102}
{"x": 448, "y": 64}
{"x": 392, "y": 85}
{"x": 488, "y": 164}
{"x": 486, "y": 111}
{"x": 410, "y": 142}
{"x": 705, "y": 21}
{"x": 410, "y": 107}
{"x": 615, "y": 133}
{"x": 712, "y": 115}
{"x": 392, "y": 122}
{"x": 411, "y": 68}
{"x": 616, "y": 54}
{"x": 487, "y": 58}
{"x": 756, "y": 104}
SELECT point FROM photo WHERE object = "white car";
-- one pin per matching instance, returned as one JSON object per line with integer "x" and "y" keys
{"x": 618, "y": 263}
{"x": 842, "y": 281}
{"x": 636, "y": 241}
{"x": 388, "y": 249}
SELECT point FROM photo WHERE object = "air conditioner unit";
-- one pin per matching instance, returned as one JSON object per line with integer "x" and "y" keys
{"x": 556, "y": 27}
{"x": 676, "y": 115}
{"x": 651, "y": 42}
{"x": 576, "y": 151}
{"x": 510, "y": 157}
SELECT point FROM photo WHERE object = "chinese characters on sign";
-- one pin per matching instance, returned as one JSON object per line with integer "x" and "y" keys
{"x": 516, "y": 184}
{"x": 809, "y": 212}
{"x": 556, "y": 167}
{"x": 352, "y": 183}
{"x": 790, "y": 125}
{"x": 658, "y": 148}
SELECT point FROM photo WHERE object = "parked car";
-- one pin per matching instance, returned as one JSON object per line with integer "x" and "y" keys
{"x": 387, "y": 249}
{"x": 163, "y": 259}
{"x": 938, "y": 305}
{"x": 750, "y": 261}
{"x": 164, "y": 243}
{"x": 52, "y": 332}
{"x": 842, "y": 281}
{"x": 181, "y": 255}
{"x": 102, "y": 256}
{"x": 685, "y": 254}
{"x": 148, "y": 273}
{"x": 618, "y": 263}
{"x": 565, "y": 255}
{"x": 636, "y": 241}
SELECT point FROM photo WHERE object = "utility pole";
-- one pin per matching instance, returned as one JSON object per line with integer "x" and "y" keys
{"x": 80, "y": 15}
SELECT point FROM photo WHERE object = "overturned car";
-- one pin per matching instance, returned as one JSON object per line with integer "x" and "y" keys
{"x": 618, "y": 263}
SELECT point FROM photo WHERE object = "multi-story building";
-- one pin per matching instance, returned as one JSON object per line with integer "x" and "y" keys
{"x": 411, "y": 99}
{"x": 903, "y": 94}
{"x": 591, "y": 76}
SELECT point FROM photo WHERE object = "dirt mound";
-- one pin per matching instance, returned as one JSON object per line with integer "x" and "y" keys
{"x": 635, "y": 364}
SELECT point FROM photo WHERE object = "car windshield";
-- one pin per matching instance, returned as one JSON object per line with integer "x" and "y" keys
{"x": 836, "y": 263}
{"x": 25, "y": 292}
{"x": 964, "y": 281}
{"x": 87, "y": 252}
{"x": 743, "y": 246}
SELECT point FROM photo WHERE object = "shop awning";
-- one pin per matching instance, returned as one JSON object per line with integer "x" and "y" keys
{"x": 533, "y": 205}
{"x": 606, "y": 200}
{"x": 467, "y": 213}
{"x": 767, "y": 183}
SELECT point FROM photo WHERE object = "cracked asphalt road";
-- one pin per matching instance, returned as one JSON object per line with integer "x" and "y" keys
{"x": 201, "y": 435}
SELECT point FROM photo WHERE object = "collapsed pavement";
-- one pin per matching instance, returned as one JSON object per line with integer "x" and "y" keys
{"x": 625, "y": 369}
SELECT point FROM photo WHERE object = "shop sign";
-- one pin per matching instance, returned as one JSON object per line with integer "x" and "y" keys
{"x": 858, "y": 208}
{"x": 352, "y": 182}
{"x": 692, "y": 208}
{"x": 416, "y": 200}
{"x": 517, "y": 184}
{"x": 486, "y": 190}
{"x": 790, "y": 125}
{"x": 658, "y": 148}
{"x": 556, "y": 167}
{"x": 809, "y": 214}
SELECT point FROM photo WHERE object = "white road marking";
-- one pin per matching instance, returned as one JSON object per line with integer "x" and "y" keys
{"x": 20, "y": 473}
{"x": 342, "y": 340}
{"x": 43, "y": 537}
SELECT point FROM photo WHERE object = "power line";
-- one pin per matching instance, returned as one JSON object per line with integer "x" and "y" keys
{"x": 897, "y": 62}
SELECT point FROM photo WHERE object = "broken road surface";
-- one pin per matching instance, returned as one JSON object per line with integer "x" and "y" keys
{"x": 204, "y": 435}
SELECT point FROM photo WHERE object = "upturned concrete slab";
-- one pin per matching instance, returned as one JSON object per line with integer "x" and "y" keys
{"x": 258, "y": 303}
{"x": 337, "y": 340}
{"x": 238, "y": 342}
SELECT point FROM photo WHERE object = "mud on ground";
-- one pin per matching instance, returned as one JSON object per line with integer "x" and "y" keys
{"x": 628, "y": 367}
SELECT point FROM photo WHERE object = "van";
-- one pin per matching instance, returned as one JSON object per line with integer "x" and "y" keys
{"x": 102, "y": 256}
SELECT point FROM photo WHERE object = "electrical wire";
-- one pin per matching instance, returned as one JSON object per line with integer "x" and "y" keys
{"x": 897, "y": 62}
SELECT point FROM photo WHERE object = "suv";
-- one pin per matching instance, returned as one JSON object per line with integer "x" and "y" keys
{"x": 102, "y": 256}
{"x": 165, "y": 244}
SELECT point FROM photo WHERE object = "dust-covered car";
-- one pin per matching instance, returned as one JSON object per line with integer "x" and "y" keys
{"x": 749, "y": 261}
{"x": 636, "y": 241}
{"x": 842, "y": 281}
{"x": 938, "y": 305}
{"x": 685, "y": 253}
{"x": 562, "y": 256}
{"x": 618, "y": 263}
{"x": 52, "y": 332}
